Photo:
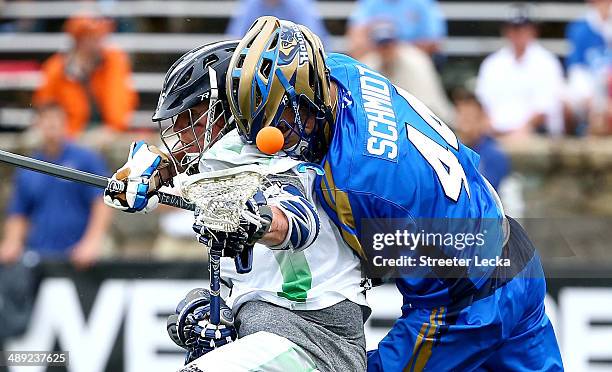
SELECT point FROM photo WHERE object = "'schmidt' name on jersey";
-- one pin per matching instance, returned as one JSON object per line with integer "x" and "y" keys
{"x": 382, "y": 127}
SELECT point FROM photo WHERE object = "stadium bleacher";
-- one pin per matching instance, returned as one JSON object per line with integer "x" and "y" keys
{"x": 165, "y": 29}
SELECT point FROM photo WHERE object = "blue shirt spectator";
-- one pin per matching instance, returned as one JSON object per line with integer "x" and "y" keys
{"x": 415, "y": 20}
{"x": 589, "y": 61}
{"x": 418, "y": 22}
{"x": 303, "y": 12}
{"x": 57, "y": 210}
{"x": 587, "y": 37}
{"x": 58, "y": 219}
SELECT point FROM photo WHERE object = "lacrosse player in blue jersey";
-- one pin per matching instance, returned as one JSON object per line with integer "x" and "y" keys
{"x": 388, "y": 157}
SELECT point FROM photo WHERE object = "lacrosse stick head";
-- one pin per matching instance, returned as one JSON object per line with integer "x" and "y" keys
{"x": 221, "y": 195}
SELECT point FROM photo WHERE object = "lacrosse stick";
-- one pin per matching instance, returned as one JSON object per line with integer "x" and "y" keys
{"x": 221, "y": 196}
{"x": 82, "y": 177}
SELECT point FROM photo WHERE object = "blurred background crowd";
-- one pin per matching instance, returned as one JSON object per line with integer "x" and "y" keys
{"x": 79, "y": 81}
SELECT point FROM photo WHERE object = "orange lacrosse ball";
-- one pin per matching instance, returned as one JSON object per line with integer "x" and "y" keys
{"x": 270, "y": 140}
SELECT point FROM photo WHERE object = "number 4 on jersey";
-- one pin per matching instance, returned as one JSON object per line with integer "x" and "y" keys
{"x": 443, "y": 161}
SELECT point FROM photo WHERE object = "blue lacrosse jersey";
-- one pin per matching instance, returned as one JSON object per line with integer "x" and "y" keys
{"x": 391, "y": 158}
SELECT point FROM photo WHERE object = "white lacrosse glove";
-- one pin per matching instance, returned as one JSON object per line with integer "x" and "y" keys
{"x": 141, "y": 178}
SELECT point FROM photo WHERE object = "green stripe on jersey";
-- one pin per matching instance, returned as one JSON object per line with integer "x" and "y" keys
{"x": 297, "y": 278}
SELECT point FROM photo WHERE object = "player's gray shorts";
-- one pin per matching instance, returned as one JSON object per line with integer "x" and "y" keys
{"x": 333, "y": 336}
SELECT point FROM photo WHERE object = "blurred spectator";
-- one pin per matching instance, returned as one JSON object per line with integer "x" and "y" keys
{"x": 55, "y": 218}
{"x": 91, "y": 81}
{"x": 521, "y": 85}
{"x": 473, "y": 127}
{"x": 409, "y": 68}
{"x": 588, "y": 65}
{"x": 303, "y": 12}
{"x": 419, "y": 22}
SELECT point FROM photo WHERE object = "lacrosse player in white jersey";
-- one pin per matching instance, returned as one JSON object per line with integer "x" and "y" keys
{"x": 295, "y": 286}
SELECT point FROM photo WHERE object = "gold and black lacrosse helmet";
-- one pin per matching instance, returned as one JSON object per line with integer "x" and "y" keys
{"x": 280, "y": 65}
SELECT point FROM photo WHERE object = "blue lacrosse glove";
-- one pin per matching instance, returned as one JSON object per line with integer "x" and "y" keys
{"x": 141, "y": 177}
{"x": 254, "y": 224}
{"x": 190, "y": 329}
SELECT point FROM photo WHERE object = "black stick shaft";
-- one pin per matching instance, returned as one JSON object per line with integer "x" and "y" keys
{"x": 79, "y": 176}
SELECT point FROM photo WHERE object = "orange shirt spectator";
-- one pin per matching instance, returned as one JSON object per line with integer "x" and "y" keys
{"x": 91, "y": 81}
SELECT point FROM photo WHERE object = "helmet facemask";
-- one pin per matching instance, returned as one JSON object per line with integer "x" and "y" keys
{"x": 301, "y": 123}
{"x": 192, "y": 132}
{"x": 192, "y": 111}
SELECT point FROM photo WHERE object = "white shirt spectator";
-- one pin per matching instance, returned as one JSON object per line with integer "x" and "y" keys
{"x": 513, "y": 91}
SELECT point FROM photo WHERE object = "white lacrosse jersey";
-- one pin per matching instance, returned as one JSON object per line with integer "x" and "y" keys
{"x": 324, "y": 274}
